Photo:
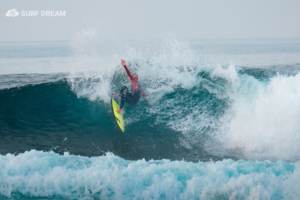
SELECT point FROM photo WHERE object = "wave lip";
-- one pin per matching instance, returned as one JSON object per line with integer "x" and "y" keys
{"x": 47, "y": 174}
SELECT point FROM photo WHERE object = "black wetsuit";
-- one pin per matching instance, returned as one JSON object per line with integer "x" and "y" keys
{"x": 131, "y": 97}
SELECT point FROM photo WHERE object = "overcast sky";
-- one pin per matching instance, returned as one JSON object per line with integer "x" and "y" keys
{"x": 126, "y": 19}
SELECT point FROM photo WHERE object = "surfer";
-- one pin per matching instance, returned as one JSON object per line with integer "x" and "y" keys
{"x": 133, "y": 96}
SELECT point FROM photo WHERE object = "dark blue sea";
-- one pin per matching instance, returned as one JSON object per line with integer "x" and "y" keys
{"x": 224, "y": 120}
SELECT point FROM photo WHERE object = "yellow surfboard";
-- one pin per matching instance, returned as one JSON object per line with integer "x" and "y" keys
{"x": 119, "y": 117}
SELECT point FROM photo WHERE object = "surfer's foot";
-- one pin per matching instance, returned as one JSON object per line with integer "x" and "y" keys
{"x": 119, "y": 111}
{"x": 115, "y": 95}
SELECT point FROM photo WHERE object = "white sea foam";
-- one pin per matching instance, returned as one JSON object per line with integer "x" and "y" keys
{"x": 43, "y": 174}
{"x": 263, "y": 119}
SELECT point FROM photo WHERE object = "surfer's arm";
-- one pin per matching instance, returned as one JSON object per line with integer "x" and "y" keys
{"x": 145, "y": 97}
{"x": 127, "y": 71}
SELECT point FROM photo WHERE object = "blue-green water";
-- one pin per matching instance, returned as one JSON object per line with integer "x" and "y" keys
{"x": 216, "y": 129}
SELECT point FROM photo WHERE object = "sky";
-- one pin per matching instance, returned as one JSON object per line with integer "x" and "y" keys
{"x": 131, "y": 19}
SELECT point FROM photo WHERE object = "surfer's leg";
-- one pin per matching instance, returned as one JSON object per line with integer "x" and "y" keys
{"x": 123, "y": 93}
{"x": 132, "y": 98}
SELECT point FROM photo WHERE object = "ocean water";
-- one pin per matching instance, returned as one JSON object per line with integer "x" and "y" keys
{"x": 224, "y": 120}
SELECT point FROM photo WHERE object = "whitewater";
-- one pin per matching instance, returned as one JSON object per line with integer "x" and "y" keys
{"x": 223, "y": 122}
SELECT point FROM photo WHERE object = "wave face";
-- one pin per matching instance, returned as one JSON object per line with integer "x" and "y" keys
{"x": 49, "y": 175}
{"x": 197, "y": 114}
{"x": 200, "y": 110}
{"x": 49, "y": 116}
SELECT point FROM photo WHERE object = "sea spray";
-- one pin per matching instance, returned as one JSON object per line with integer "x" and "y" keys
{"x": 263, "y": 118}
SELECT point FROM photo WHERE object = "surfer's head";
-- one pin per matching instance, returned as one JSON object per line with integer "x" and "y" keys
{"x": 135, "y": 76}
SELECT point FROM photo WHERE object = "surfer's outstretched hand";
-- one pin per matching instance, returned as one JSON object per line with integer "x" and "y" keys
{"x": 123, "y": 62}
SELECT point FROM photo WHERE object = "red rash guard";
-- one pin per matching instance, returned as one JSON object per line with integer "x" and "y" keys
{"x": 134, "y": 83}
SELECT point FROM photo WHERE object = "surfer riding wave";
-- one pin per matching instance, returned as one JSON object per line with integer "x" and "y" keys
{"x": 132, "y": 97}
